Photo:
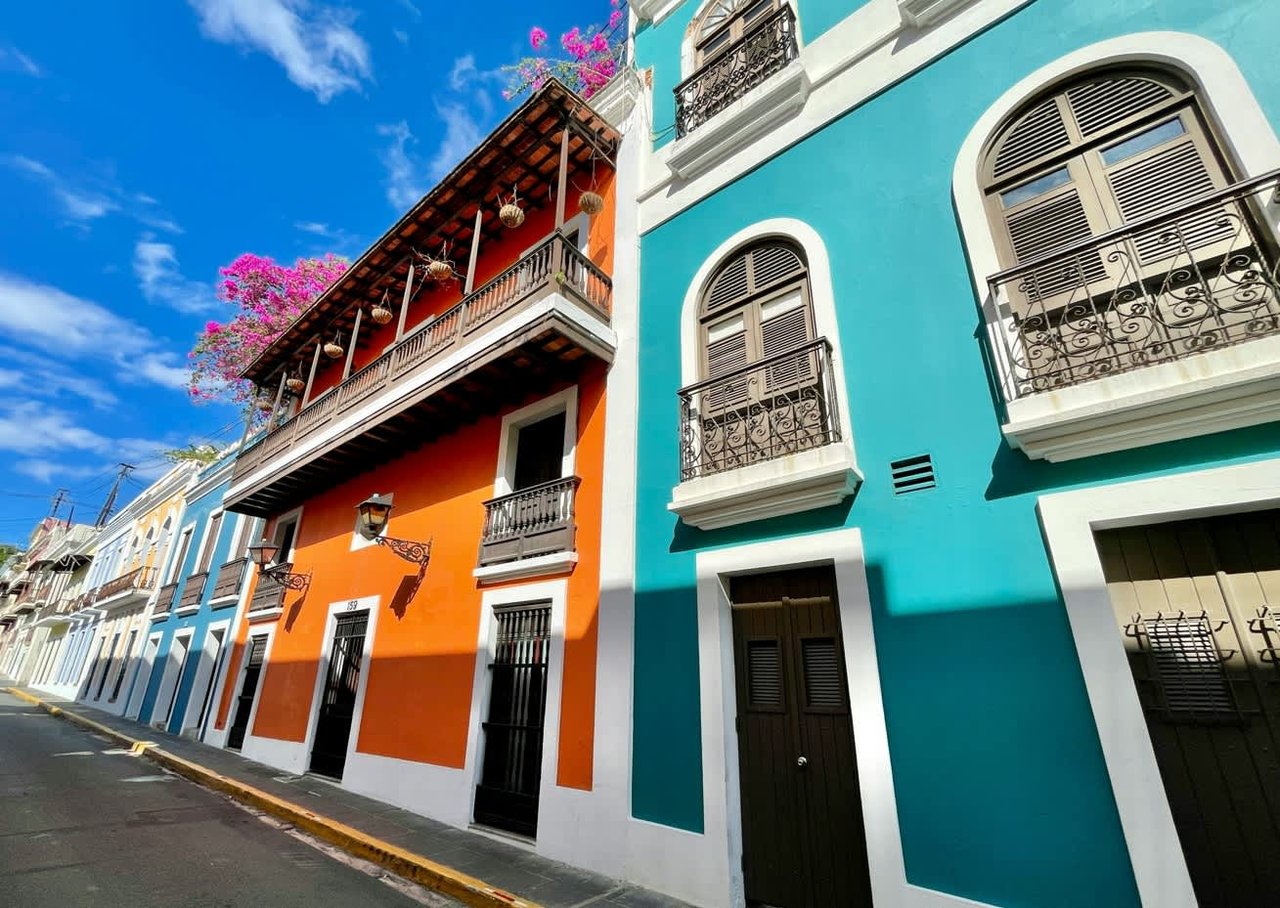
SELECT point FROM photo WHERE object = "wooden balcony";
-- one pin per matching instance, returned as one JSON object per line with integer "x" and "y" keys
{"x": 125, "y": 589}
{"x": 192, "y": 590}
{"x": 268, "y": 597}
{"x": 227, "y": 584}
{"x": 532, "y": 522}
{"x": 527, "y": 328}
{"x": 164, "y": 599}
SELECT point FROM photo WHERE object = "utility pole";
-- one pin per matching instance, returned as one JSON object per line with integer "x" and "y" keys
{"x": 109, "y": 505}
{"x": 57, "y": 502}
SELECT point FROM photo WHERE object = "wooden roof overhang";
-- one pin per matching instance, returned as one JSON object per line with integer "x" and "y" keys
{"x": 521, "y": 154}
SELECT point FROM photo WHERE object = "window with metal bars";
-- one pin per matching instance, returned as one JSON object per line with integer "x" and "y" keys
{"x": 511, "y": 773}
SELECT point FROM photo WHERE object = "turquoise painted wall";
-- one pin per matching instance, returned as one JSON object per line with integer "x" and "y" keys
{"x": 198, "y": 511}
{"x": 659, "y": 46}
{"x": 1002, "y": 792}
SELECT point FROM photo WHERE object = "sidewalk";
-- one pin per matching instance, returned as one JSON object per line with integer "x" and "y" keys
{"x": 508, "y": 868}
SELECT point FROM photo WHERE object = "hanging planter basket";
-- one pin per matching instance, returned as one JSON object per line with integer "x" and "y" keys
{"x": 591, "y": 203}
{"x": 266, "y": 406}
{"x": 380, "y": 314}
{"x": 295, "y": 385}
{"x": 333, "y": 350}
{"x": 439, "y": 270}
{"x": 511, "y": 214}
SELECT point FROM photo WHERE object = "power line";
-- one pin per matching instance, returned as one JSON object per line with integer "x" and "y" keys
{"x": 110, "y": 503}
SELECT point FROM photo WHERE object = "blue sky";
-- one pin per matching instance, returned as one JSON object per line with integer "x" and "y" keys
{"x": 143, "y": 145}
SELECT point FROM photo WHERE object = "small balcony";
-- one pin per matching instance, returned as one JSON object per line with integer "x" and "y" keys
{"x": 1164, "y": 328}
{"x": 763, "y": 440}
{"x": 267, "y": 600}
{"x": 226, "y": 587}
{"x": 529, "y": 524}
{"x": 192, "y": 591}
{"x": 550, "y": 308}
{"x": 728, "y": 76}
{"x": 164, "y": 600}
{"x": 127, "y": 589}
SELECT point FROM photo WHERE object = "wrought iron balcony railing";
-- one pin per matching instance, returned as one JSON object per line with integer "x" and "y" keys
{"x": 555, "y": 262}
{"x": 780, "y": 405}
{"x": 230, "y": 575}
{"x": 164, "y": 599}
{"x": 1198, "y": 277}
{"x": 268, "y": 595}
{"x": 192, "y": 590}
{"x": 766, "y": 48}
{"x": 534, "y": 521}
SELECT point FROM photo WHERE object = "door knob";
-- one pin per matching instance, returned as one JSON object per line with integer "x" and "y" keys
{"x": 802, "y": 762}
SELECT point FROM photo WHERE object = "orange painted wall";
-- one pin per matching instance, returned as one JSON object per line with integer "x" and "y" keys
{"x": 418, "y": 699}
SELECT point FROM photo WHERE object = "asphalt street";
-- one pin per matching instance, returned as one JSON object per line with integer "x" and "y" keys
{"x": 84, "y": 824}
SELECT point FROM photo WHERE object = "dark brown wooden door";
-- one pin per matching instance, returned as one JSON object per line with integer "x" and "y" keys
{"x": 338, "y": 700}
{"x": 1195, "y": 603}
{"x": 248, "y": 690}
{"x": 803, "y": 841}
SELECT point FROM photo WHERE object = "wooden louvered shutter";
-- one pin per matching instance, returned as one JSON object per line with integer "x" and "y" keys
{"x": 784, "y": 326}
{"x": 1045, "y": 226}
{"x": 726, "y": 352}
{"x": 823, "y": 684}
{"x": 764, "y": 673}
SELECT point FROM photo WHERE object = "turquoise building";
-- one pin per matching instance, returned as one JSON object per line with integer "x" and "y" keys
{"x": 205, "y": 584}
{"x": 956, "y": 371}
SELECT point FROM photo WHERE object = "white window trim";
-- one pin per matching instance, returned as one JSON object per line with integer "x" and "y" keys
{"x": 345, "y": 607}
{"x": 555, "y": 592}
{"x": 1211, "y": 392}
{"x": 843, "y": 550}
{"x": 566, "y": 400}
{"x": 170, "y": 680}
{"x": 281, "y": 519}
{"x": 688, "y": 53}
{"x": 145, "y": 665}
{"x": 204, "y": 678}
{"x": 1069, "y": 520}
{"x": 245, "y": 747}
{"x": 175, "y": 568}
{"x": 797, "y": 482}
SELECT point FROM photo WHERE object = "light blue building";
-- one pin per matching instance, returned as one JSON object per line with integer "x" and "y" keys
{"x": 956, "y": 532}
{"x": 193, "y": 621}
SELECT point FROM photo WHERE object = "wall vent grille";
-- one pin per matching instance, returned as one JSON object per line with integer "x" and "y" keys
{"x": 912, "y": 474}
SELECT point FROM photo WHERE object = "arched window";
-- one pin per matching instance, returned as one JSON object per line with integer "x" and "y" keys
{"x": 755, "y": 307}
{"x": 763, "y": 394}
{"x": 725, "y": 21}
{"x": 1115, "y": 193}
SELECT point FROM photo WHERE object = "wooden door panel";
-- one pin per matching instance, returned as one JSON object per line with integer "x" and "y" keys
{"x": 1180, "y": 591}
{"x": 804, "y": 845}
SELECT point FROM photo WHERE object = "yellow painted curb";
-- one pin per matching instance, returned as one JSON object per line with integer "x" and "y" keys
{"x": 415, "y": 867}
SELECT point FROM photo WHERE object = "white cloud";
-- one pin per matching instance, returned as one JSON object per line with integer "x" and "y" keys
{"x": 84, "y": 204}
{"x": 77, "y": 330}
{"x": 401, "y": 35}
{"x": 30, "y": 427}
{"x": 39, "y": 377}
{"x": 461, "y": 135}
{"x": 314, "y": 43}
{"x": 16, "y": 61}
{"x": 411, "y": 8}
{"x": 313, "y": 227}
{"x": 155, "y": 265}
{"x": 403, "y": 187}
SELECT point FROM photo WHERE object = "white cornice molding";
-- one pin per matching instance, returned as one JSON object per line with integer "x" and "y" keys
{"x": 617, "y": 99}
{"x": 654, "y": 10}
{"x": 923, "y": 13}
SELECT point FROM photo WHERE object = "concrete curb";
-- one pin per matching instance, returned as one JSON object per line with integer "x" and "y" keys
{"x": 415, "y": 867}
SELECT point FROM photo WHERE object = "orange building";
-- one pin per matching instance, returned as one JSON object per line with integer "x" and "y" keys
{"x": 458, "y": 368}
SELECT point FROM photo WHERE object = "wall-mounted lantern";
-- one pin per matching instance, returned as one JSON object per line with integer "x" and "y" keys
{"x": 374, "y": 512}
{"x": 264, "y": 556}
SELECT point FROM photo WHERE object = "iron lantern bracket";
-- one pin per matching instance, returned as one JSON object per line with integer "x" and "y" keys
{"x": 418, "y": 553}
{"x": 283, "y": 574}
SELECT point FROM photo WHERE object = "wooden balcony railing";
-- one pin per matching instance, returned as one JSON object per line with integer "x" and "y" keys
{"x": 230, "y": 576}
{"x": 164, "y": 599}
{"x": 192, "y": 590}
{"x": 1198, "y": 277}
{"x": 137, "y": 579}
{"x": 268, "y": 595}
{"x": 534, "y": 521}
{"x": 766, "y": 48}
{"x": 764, "y": 410}
{"x": 555, "y": 263}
